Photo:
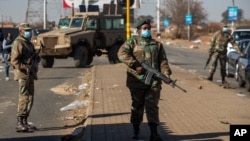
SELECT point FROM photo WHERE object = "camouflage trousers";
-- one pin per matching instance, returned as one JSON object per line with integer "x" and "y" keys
{"x": 148, "y": 98}
{"x": 26, "y": 97}
{"x": 222, "y": 58}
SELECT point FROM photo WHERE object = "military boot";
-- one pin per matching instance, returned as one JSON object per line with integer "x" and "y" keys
{"x": 154, "y": 135}
{"x": 210, "y": 77}
{"x": 223, "y": 81}
{"x": 26, "y": 123}
{"x": 20, "y": 126}
{"x": 136, "y": 131}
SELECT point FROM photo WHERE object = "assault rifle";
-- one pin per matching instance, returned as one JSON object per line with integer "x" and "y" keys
{"x": 208, "y": 60}
{"x": 34, "y": 62}
{"x": 152, "y": 72}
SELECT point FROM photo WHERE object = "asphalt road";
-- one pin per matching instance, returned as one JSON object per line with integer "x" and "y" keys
{"x": 194, "y": 61}
{"x": 45, "y": 114}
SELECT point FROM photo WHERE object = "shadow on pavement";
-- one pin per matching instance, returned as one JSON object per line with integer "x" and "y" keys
{"x": 36, "y": 138}
{"x": 124, "y": 132}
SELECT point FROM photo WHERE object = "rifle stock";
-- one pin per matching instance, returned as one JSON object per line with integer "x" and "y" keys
{"x": 153, "y": 72}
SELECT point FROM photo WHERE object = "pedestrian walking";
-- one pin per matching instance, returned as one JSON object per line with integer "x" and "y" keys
{"x": 1, "y": 43}
{"x": 138, "y": 49}
{"x": 218, "y": 51}
{"x": 6, "y": 54}
{"x": 21, "y": 55}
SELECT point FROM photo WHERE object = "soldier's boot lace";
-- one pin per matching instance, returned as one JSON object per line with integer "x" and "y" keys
{"x": 154, "y": 135}
{"x": 20, "y": 126}
{"x": 136, "y": 131}
{"x": 27, "y": 124}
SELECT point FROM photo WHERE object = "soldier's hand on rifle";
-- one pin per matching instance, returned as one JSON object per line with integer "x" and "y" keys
{"x": 210, "y": 54}
{"x": 139, "y": 70}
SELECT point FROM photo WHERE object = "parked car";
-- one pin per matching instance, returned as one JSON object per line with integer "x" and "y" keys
{"x": 244, "y": 68}
{"x": 233, "y": 58}
{"x": 240, "y": 33}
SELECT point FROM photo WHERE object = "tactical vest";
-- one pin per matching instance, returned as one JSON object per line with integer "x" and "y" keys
{"x": 27, "y": 52}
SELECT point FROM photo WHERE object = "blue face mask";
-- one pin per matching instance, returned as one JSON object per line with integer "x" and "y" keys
{"x": 27, "y": 35}
{"x": 146, "y": 33}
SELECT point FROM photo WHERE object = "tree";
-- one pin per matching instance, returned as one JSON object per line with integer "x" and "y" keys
{"x": 175, "y": 11}
{"x": 225, "y": 16}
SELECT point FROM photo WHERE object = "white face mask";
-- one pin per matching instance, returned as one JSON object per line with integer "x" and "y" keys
{"x": 27, "y": 35}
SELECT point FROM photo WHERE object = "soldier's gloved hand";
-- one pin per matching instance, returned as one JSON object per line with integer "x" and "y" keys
{"x": 139, "y": 70}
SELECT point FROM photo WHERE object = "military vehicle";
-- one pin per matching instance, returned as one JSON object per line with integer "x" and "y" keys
{"x": 84, "y": 35}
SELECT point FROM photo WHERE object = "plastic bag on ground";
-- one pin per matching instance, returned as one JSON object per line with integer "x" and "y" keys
{"x": 75, "y": 105}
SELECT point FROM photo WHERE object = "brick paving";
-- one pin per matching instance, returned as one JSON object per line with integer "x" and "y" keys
{"x": 204, "y": 113}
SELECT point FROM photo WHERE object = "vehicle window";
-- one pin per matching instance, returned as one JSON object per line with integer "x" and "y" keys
{"x": 247, "y": 49}
{"x": 118, "y": 23}
{"x": 64, "y": 23}
{"x": 106, "y": 24}
{"x": 242, "y": 34}
{"x": 76, "y": 22}
{"x": 243, "y": 45}
{"x": 91, "y": 23}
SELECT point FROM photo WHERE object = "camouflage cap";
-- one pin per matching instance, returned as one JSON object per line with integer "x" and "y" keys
{"x": 141, "y": 22}
{"x": 24, "y": 26}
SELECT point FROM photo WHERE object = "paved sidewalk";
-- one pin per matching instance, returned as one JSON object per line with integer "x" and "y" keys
{"x": 203, "y": 113}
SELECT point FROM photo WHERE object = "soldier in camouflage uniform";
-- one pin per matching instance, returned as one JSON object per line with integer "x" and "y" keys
{"x": 22, "y": 51}
{"x": 133, "y": 52}
{"x": 218, "y": 51}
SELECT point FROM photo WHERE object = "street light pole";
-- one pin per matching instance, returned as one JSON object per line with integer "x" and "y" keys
{"x": 232, "y": 24}
{"x": 44, "y": 14}
{"x": 158, "y": 19}
{"x": 188, "y": 34}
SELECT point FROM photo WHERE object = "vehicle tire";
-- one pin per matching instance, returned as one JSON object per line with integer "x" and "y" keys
{"x": 236, "y": 73}
{"x": 81, "y": 56}
{"x": 112, "y": 54}
{"x": 247, "y": 85}
{"x": 90, "y": 59}
{"x": 47, "y": 62}
{"x": 241, "y": 82}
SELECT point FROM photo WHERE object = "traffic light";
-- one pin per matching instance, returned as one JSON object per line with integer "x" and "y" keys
{"x": 123, "y": 2}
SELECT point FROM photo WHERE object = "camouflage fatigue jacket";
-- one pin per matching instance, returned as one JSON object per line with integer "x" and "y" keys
{"x": 136, "y": 50}
{"x": 21, "y": 54}
{"x": 219, "y": 42}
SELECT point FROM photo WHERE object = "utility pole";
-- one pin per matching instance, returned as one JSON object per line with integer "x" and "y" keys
{"x": 44, "y": 14}
{"x": 158, "y": 19}
{"x": 188, "y": 34}
{"x": 232, "y": 24}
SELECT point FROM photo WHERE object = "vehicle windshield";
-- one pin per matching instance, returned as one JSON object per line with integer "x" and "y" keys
{"x": 77, "y": 22}
{"x": 64, "y": 23}
{"x": 241, "y": 35}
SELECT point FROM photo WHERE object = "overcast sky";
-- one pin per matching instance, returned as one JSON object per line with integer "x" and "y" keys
{"x": 15, "y": 10}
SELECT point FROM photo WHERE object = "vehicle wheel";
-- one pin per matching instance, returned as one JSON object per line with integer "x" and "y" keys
{"x": 227, "y": 71}
{"x": 47, "y": 62}
{"x": 241, "y": 82}
{"x": 81, "y": 57}
{"x": 247, "y": 85}
{"x": 90, "y": 59}
{"x": 112, "y": 54}
{"x": 236, "y": 73}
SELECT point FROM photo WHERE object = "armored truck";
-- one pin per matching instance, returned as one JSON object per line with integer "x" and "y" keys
{"x": 83, "y": 36}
